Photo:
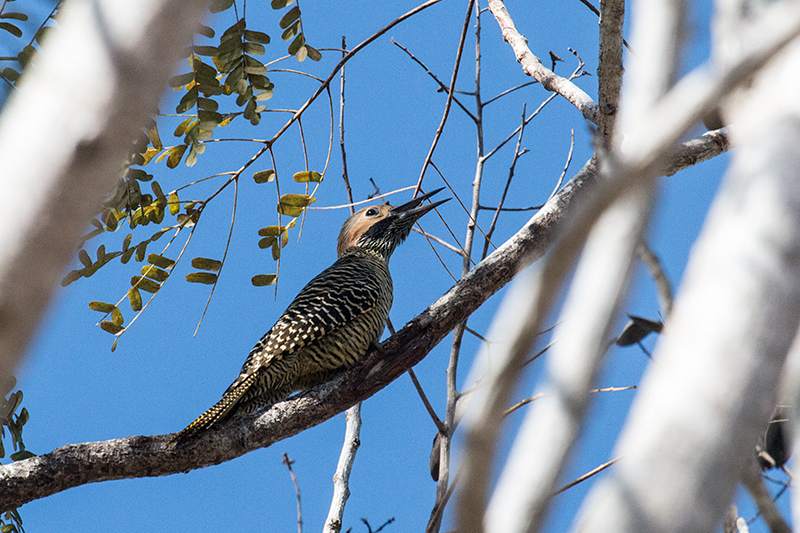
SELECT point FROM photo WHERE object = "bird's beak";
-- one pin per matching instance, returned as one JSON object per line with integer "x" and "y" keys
{"x": 416, "y": 208}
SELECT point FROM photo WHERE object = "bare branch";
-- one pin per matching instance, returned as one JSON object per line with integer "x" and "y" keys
{"x": 533, "y": 66}
{"x": 341, "y": 479}
{"x": 288, "y": 462}
{"x": 609, "y": 70}
{"x": 144, "y": 456}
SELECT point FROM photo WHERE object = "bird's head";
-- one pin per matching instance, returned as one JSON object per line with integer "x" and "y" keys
{"x": 380, "y": 228}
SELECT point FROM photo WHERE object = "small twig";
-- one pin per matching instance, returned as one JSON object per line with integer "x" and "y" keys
{"x": 440, "y": 241}
{"x": 566, "y": 165}
{"x": 345, "y": 176}
{"x": 450, "y": 92}
{"x": 368, "y": 200}
{"x": 442, "y": 86}
{"x": 517, "y": 153}
{"x": 288, "y": 462}
{"x": 508, "y": 91}
{"x": 526, "y": 401}
{"x": 597, "y": 12}
{"x": 653, "y": 264}
{"x": 586, "y": 476}
{"x": 428, "y": 406}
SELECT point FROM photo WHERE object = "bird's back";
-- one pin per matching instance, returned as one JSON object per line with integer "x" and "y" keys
{"x": 327, "y": 328}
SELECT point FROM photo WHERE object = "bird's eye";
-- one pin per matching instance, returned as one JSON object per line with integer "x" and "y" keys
{"x": 371, "y": 212}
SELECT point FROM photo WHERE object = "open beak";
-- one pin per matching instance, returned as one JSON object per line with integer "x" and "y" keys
{"x": 415, "y": 208}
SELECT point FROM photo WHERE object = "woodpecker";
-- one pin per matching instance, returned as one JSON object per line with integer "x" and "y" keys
{"x": 331, "y": 323}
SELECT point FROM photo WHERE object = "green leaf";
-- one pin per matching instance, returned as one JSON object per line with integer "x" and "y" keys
{"x": 141, "y": 249}
{"x": 183, "y": 126}
{"x": 207, "y": 278}
{"x": 10, "y": 74}
{"x": 207, "y": 104}
{"x": 72, "y": 275}
{"x": 276, "y": 250}
{"x": 16, "y": 16}
{"x": 103, "y": 307}
{"x": 280, "y": 4}
{"x": 307, "y": 175}
{"x": 84, "y": 258}
{"x": 203, "y": 263}
{"x": 159, "y": 193}
{"x": 272, "y": 231}
{"x": 10, "y": 28}
{"x": 155, "y": 273}
{"x": 254, "y": 66}
{"x": 174, "y": 203}
{"x": 219, "y": 5}
{"x": 262, "y": 280}
{"x": 256, "y": 37}
{"x": 264, "y": 176}
{"x": 181, "y": 79}
{"x": 290, "y": 32}
{"x": 116, "y": 316}
{"x": 313, "y": 53}
{"x": 110, "y": 327}
{"x": 160, "y": 261}
{"x": 266, "y": 242}
{"x": 205, "y": 50}
{"x": 135, "y": 298}
{"x": 21, "y": 455}
{"x": 187, "y": 101}
{"x": 175, "y": 155}
{"x": 290, "y": 17}
{"x": 299, "y": 41}
{"x": 254, "y": 49}
{"x": 145, "y": 284}
{"x": 297, "y": 200}
{"x": 24, "y": 416}
{"x": 205, "y": 31}
{"x": 234, "y": 32}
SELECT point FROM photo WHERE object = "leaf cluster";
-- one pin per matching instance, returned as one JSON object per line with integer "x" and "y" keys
{"x": 12, "y": 418}
{"x": 10, "y": 26}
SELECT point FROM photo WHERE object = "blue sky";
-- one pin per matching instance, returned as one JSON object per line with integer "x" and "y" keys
{"x": 161, "y": 377}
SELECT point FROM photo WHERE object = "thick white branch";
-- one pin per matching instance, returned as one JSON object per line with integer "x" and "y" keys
{"x": 700, "y": 410}
{"x": 64, "y": 136}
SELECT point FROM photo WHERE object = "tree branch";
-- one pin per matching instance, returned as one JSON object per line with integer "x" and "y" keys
{"x": 534, "y": 68}
{"x": 144, "y": 456}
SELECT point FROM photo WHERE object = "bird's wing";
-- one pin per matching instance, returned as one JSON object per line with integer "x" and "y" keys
{"x": 329, "y": 301}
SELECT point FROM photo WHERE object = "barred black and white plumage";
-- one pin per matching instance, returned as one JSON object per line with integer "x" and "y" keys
{"x": 330, "y": 324}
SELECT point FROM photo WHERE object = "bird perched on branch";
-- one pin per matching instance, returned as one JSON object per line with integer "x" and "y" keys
{"x": 331, "y": 323}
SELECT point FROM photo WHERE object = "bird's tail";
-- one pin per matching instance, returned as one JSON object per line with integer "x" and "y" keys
{"x": 218, "y": 412}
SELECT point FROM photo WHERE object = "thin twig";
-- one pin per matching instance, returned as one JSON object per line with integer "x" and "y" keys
{"x": 428, "y": 406}
{"x": 653, "y": 264}
{"x": 435, "y": 520}
{"x": 586, "y": 476}
{"x": 449, "y": 101}
{"x": 526, "y": 401}
{"x": 517, "y": 153}
{"x": 288, "y": 462}
{"x": 442, "y": 86}
{"x": 440, "y": 241}
{"x": 345, "y": 177}
{"x": 566, "y": 165}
